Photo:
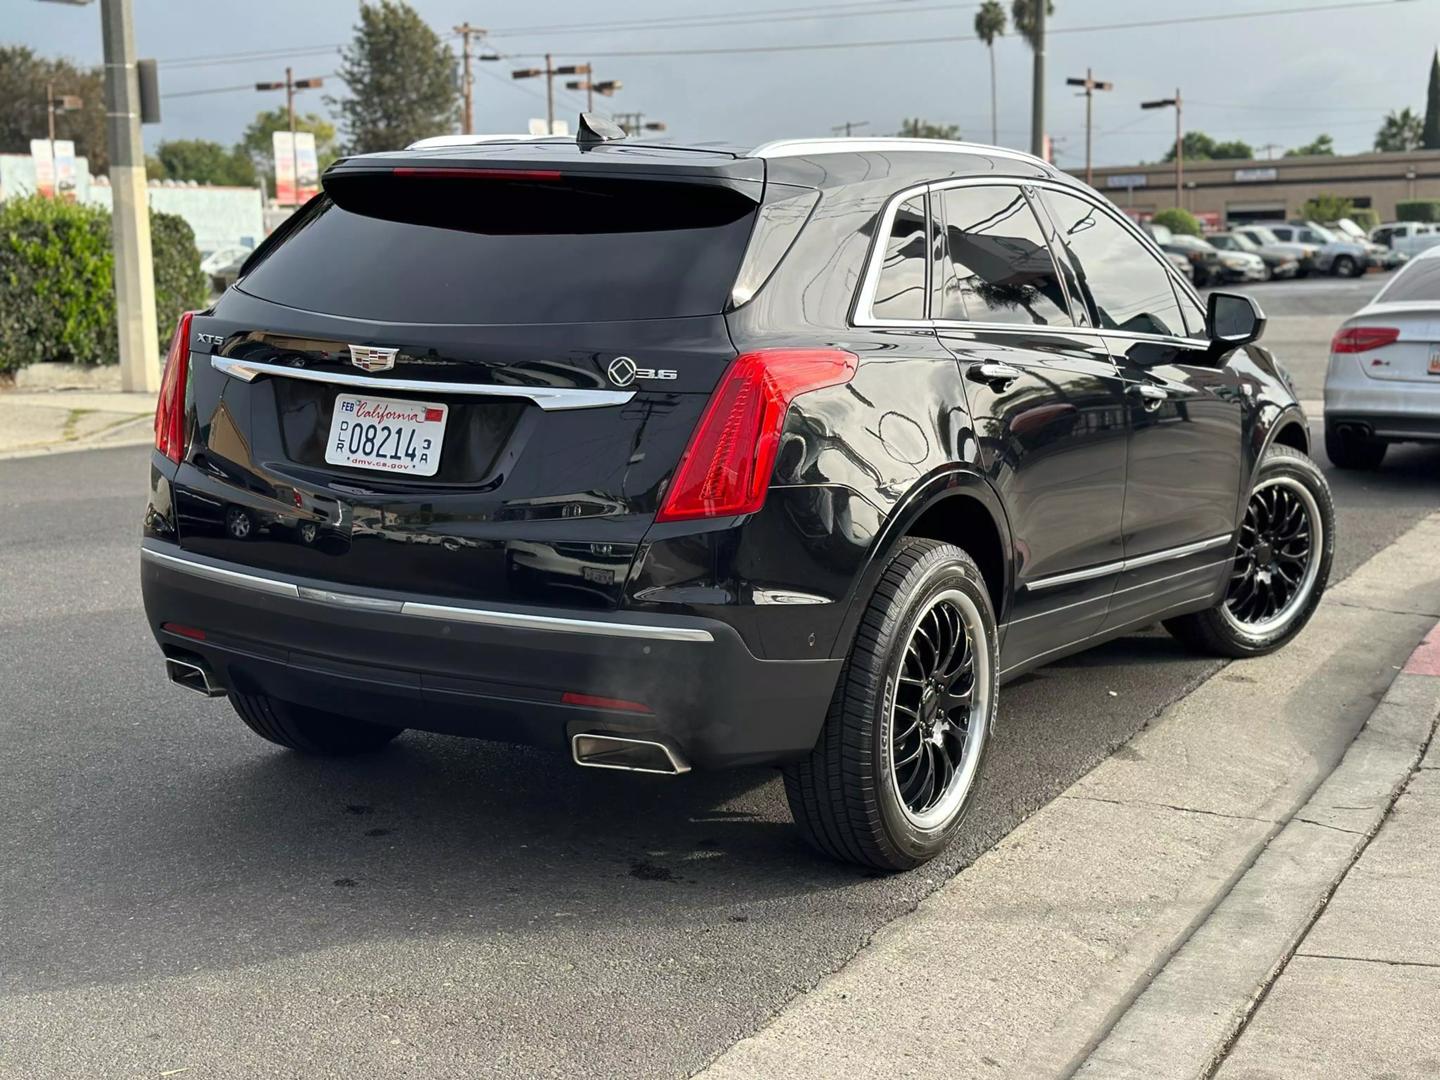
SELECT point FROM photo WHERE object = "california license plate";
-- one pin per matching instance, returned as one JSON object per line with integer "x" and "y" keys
{"x": 386, "y": 434}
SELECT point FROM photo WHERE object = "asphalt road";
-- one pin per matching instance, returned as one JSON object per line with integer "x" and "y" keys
{"x": 177, "y": 894}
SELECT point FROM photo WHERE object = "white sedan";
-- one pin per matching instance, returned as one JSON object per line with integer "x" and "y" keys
{"x": 1383, "y": 382}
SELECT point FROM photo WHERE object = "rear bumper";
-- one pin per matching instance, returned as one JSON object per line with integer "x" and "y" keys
{"x": 486, "y": 672}
{"x": 1388, "y": 409}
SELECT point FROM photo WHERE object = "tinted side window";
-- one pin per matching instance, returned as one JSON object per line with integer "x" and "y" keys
{"x": 1123, "y": 282}
{"x": 999, "y": 268}
{"x": 900, "y": 292}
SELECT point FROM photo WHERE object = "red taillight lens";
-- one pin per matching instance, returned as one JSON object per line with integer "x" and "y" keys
{"x": 170, "y": 408}
{"x": 726, "y": 468}
{"x": 590, "y": 701}
{"x": 1363, "y": 338}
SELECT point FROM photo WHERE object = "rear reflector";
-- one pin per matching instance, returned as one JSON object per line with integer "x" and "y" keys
{"x": 590, "y": 701}
{"x": 726, "y": 468}
{"x": 184, "y": 631}
{"x": 478, "y": 174}
{"x": 170, "y": 407}
{"x": 1355, "y": 339}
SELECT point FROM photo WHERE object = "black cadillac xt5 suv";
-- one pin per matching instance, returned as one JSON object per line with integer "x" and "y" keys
{"x": 674, "y": 457}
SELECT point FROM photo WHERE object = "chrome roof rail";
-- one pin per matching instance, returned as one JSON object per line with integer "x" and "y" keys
{"x": 840, "y": 145}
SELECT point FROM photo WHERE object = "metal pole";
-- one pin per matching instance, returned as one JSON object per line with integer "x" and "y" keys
{"x": 50, "y": 107}
{"x": 549, "y": 96}
{"x": 134, "y": 270}
{"x": 1089, "y": 108}
{"x": 1037, "y": 92}
{"x": 290, "y": 108}
{"x": 468, "y": 81}
{"x": 1179, "y": 150}
{"x": 590, "y": 88}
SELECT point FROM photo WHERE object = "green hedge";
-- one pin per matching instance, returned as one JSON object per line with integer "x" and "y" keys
{"x": 1178, "y": 221}
{"x": 1365, "y": 217}
{"x": 1417, "y": 210}
{"x": 57, "y": 290}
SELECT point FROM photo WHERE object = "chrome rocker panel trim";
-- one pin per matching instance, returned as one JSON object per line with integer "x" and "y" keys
{"x": 1129, "y": 564}
{"x": 509, "y": 620}
{"x": 548, "y": 398}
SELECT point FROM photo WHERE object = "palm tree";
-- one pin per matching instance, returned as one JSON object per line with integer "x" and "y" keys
{"x": 990, "y": 24}
{"x": 1403, "y": 130}
{"x": 1022, "y": 13}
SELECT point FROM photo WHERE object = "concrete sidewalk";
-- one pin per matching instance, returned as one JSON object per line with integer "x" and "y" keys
{"x": 1103, "y": 936}
{"x": 43, "y": 422}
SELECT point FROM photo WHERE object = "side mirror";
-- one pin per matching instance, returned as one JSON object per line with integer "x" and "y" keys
{"x": 1233, "y": 320}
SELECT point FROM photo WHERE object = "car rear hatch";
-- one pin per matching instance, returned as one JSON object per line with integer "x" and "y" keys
{"x": 467, "y": 372}
{"x": 1395, "y": 343}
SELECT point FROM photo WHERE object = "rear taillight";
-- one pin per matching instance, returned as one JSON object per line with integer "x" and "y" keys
{"x": 1355, "y": 339}
{"x": 170, "y": 408}
{"x": 726, "y": 468}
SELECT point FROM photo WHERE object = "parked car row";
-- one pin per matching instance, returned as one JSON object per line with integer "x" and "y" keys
{"x": 1274, "y": 251}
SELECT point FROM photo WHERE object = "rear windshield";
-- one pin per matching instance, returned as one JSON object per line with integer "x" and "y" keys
{"x": 452, "y": 248}
{"x": 1419, "y": 281}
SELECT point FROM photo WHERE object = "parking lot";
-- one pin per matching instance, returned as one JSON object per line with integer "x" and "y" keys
{"x": 177, "y": 892}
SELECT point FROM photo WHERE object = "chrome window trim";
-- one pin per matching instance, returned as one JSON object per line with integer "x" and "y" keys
{"x": 548, "y": 398}
{"x": 863, "y": 318}
{"x": 782, "y": 148}
{"x": 510, "y": 620}
{"x": 1133, "y": 563}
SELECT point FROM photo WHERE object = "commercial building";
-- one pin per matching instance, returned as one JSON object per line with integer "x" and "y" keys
{"x": 1230, "y": 192}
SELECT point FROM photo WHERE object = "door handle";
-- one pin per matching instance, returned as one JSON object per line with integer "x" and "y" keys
{"x": 996, "y": 376}
{"x": 1151, "y": 396}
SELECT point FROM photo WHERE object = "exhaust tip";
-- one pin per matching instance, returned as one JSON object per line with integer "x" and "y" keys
{"x": 599, "y": 751}
{"x": 192, "y": 676}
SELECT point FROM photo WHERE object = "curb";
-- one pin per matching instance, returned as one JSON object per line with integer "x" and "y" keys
{"x": 1185, "y": 1021}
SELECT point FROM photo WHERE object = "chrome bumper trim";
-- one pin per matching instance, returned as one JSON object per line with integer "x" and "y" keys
{"x": 512, "y": 620}
{"x": 549, "y": 398}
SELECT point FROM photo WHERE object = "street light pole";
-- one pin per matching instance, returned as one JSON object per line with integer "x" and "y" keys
{"x": 550, "y": 71}
{"x": 467, "y": 78}
{"x": 290, "y": 85}
{"x": 1037, "y": 91}
{"x": 1091, "y": 84}
{"x": 1177, "y": 103}
{"x": 134, "y": 269}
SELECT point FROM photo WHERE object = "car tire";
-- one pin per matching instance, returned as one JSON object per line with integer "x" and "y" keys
{"x": 1345, "y": 266}
{"x": 307, "y": 730}
{"x": 1353, "y": 452}
{"x": 861, "y": 796}
{"x": 1261, "y": 610}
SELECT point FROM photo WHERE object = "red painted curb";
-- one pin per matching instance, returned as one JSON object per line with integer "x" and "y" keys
{"x": 1425, "y": 660}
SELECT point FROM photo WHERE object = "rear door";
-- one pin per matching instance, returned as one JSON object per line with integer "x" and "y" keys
{"x": 552, "y": 336}
{"x": 1185, "y": 411}
{"x": 1048, "y": 408}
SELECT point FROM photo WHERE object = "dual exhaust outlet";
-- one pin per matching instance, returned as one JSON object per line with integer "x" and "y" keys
{"x": 594, "y": 750}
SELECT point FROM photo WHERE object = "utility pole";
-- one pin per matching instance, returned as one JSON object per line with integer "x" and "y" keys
{"x": 633, "y": 123}
{"x": 1091, "y": 84}
{"x": 1037, "y": 90}
{"x": 290, "y": 85}
{"x": 591, "y": 88}
{"x": 134, "y": 270}
{"x": 550, "y": 71}
{"x": 848, "y": 126}
{"x": 467, "y": 81}
{"x": 1165, "y": 103}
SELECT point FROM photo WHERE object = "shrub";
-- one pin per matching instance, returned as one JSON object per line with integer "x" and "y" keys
{"x": 57, "y": 284}
{"x": 1417, "y": 210}
{"x": 1326, "y": 208}
{"x": 1365, "y": 217}
{"x": 1178, "y": 221}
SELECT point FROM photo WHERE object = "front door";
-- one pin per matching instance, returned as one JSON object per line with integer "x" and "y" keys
{"x": 1048, "y": 409}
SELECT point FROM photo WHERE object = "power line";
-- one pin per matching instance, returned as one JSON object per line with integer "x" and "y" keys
{"x": 946, "y": 39}
{"x": 750, "y": 15}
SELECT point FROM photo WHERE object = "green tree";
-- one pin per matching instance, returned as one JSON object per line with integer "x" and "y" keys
{"x": 1178, "y": 221}
{"x": 1431, "y": 137}
{"x": 1201, "y": 147}
{"x": 259, "y": 143}
{"x": 1022, "y": 14}
{"x": 990, "y": 24}
{"x": 401, "y": 79}
{"x": 23, "y": 79}
{"x": 915, "y": 128}
{"x": 1325, "y": 208}
{"x": 1323, "y": 146}
{"x": 1400, "y": 131}
{"x": 205, "y": 162}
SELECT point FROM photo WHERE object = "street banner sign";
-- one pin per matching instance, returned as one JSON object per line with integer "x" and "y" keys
{"x": 64, "y": 162}
{"x": 297, "y": 171}
{"x": 42, "y": 153}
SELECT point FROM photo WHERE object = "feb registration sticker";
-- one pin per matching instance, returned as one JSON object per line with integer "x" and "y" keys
{"x": 386, "y": 434}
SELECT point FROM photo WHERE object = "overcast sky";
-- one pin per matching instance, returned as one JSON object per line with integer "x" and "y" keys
{"x": 1281, "y": 79}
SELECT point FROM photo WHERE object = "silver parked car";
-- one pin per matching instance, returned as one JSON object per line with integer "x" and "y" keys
{"x": 1383, "y": 382}
{"x": 1343, "y": 258}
